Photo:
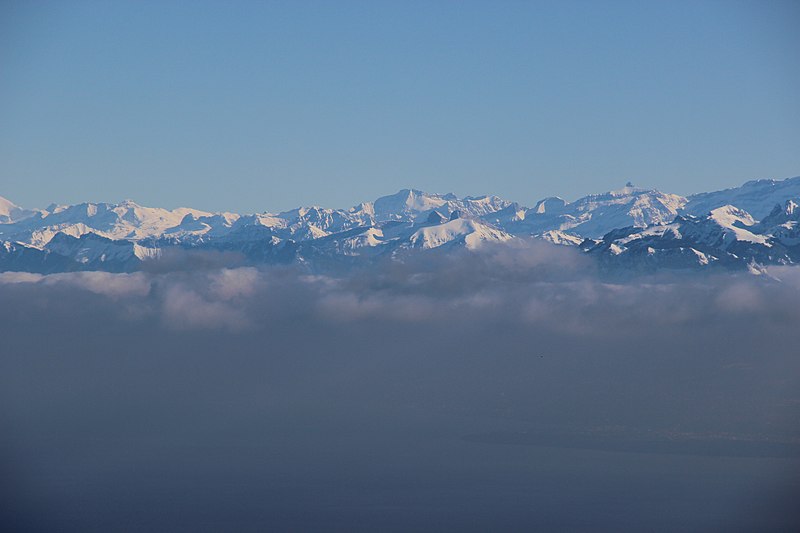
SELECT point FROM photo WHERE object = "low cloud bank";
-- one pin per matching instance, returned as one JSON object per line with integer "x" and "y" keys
{"x": 536, "y": 285}
{"x": 451, "y": 390}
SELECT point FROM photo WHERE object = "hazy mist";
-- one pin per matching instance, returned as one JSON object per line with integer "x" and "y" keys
{"x": 512, "y": 389}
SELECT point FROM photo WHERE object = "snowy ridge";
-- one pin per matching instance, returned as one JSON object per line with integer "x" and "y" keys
{"x": 726, "y": 237}
{"x": 126, "y": 220}
{"x": 10, "y": 212}
{"x": 629, "y": 228}
{"x": 470, "y": 233}
{"x": 597, "y": 214}
{"x": 757, "y": 197}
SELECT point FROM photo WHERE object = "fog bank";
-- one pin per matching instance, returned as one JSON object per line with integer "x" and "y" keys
{"x": 506, "y": 390}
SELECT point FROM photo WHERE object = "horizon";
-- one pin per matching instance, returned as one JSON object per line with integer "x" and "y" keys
{"x": 531, "y": 204}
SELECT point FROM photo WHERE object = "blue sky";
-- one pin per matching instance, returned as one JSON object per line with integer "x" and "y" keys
{"x": 252, "y": 106}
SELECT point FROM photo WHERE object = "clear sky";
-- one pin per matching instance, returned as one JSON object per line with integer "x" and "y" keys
{"x": 253, "y": 106}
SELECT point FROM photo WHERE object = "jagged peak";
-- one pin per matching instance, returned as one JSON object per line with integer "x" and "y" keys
{"x": 790, "y": 210}
{"x": 11, "y": 212}
{"x": 445, "y": 217}
{"x": 549, "y": 204}
{"x": 631, "y": 190}
{"x": 436, "y": 217}
{"x": 364, "y": 207}
{"x": 7, "y": 205}
{"x": 730, "y": 210}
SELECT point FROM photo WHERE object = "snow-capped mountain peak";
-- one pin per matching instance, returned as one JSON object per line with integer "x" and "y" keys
{"x": 10, "y": 212}
{"x": 550, "y": 205}
{"x": 406, "y": 204}
{"x": 757, "y": 197}
{"x": 629, "y": 227}
{"x": 597, "y": 214}
{"x": 471, "y": 233}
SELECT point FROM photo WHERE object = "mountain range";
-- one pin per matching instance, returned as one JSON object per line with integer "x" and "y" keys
{"x": 632, "y": 228}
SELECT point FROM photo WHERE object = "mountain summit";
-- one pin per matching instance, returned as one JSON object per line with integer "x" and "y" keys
{"x": 629, "y": 228}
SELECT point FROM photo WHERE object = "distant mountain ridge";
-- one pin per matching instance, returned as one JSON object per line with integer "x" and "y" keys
{"x": 727, "y": 236}
{"x": 630, "y": 228}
